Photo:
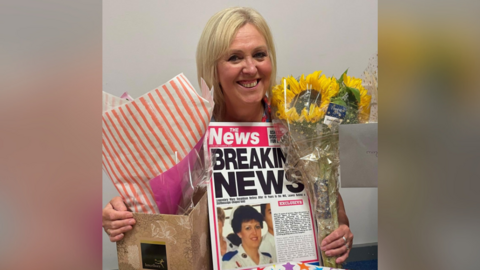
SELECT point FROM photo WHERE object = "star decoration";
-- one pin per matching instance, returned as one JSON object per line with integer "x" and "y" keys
{"x": 303, "y": 266}
{"x": 288, "y": 266}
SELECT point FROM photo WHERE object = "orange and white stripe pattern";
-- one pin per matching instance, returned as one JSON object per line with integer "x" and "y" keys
{"x": 110, "y": 101}
{"x": 147, "y": 136}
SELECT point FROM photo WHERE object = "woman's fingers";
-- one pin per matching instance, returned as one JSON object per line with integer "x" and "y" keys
{"x": 116, "y": 219}
{"x": 118, "y": 228}
{"x": 343, "y": 258}
{"x": 116, "y": 210}
{"x": 337, "y": 251}
{"x": 338, "y": 243}
{"x": 122, "y": 223}
{"x": 118, "y": 204}
{"x": 117, "y": 237}
{"x": 335, "y": 239}
{"x": 112, "y": 215}
{"x": 117, "y": 234}
{"x": 335, "y": 244}
{"x": 331, "y": 237}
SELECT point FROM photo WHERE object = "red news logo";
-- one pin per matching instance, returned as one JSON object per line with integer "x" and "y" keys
{"x": 290, "y": 202}
{"x": 233, "y": 137}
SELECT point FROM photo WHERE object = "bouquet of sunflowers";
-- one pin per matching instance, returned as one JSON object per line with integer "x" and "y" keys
{"x": 307, "y": 113}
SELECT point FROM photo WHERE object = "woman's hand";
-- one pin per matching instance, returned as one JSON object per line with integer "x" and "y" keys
{"x": 338, "y": 243}
{"x": 116, "y": 219}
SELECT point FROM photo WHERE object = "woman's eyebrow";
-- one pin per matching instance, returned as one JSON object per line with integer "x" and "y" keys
{"x": 259, "y": 48}
{"x": 235, "y": 51}
{"x": 238, "y": 51}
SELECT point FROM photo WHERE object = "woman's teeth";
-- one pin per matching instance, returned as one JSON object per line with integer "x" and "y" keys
{"x": 249, "y": 85}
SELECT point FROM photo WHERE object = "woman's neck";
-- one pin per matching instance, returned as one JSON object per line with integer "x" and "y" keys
{"x": 252, "y": 253}
{"x": 223, "y": 246}
{"x": 253, "y": 113}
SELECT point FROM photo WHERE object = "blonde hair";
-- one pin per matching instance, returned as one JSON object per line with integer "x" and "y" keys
{"x": 214, "y": 42}
{"x": 220, "y": 214}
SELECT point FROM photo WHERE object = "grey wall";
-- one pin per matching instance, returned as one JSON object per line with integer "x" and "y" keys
{"x": 146, "y": 43}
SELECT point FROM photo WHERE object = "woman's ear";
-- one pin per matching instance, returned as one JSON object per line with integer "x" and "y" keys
{"x": 239, "y": 235}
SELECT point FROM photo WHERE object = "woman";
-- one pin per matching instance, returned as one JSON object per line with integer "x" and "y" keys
{"x": 247, "y": 223}
{"x": 225, "y": 244}
{"x": 236, "y": 56}
{"x": 268, "y": 239}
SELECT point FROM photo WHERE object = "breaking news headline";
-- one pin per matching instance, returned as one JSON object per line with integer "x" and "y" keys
{"x": 250, "y": 172}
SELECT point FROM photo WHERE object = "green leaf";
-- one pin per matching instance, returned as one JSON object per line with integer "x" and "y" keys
{"x": 339, "y": 101}
{"x": 355, "y": 92}
{"x": 339, "y": 81}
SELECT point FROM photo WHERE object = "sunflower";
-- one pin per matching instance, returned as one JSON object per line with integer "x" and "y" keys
{"x": 304, "y": 100}
{"x": 364, "y": 101}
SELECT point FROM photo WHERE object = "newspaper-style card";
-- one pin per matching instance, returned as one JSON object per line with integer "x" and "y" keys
{"x": 257, "y": 217}
{"x": 359, "y": 155}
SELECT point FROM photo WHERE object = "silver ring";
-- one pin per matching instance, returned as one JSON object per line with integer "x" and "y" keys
{"x": 344, "y": 239}
{"x": 346, "y": 245}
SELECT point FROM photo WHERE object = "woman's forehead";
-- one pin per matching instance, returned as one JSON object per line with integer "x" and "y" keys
{"x": 251, "y": 221}
{"x": 248, "y": 34}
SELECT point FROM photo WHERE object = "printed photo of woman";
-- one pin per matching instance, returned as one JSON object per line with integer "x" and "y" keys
{"x": 247, "y": 223}
{"x": 225, "y": 244}
{"x": 268, "y": 239}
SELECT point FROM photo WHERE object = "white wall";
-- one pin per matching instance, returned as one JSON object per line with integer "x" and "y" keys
{"x": 146, "y": 43}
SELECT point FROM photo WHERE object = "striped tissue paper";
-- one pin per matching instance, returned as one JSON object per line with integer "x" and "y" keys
{"x": 145, "y": 137}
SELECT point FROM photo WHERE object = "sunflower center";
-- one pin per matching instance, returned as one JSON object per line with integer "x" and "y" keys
{"x": 305, "y": 98}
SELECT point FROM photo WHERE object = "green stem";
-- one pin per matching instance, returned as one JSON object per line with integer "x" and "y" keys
{"x": 326, "y": 189}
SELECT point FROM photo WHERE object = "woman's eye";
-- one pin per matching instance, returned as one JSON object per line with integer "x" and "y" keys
{"x": 233, "y": 58}
{"x": 260, "y": 55}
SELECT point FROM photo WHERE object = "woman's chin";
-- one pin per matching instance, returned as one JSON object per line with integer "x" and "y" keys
{"x": 247, "y": 96}
{"x": 254, "y": 245}
{"x": 250, "y": 101}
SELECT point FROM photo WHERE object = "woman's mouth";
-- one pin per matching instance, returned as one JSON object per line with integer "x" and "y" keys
{"x": 249, "y": 84}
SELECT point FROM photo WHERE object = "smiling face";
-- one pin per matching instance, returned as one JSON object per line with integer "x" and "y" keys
{"x": 244, "y": 71}
{"x": 251, "y": 234}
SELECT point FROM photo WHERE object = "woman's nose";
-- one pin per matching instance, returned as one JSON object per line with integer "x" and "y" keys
{"x": 250, "y": 67}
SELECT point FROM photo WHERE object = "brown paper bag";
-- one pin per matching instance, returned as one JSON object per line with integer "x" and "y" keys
{"x": 168, "y": 242}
